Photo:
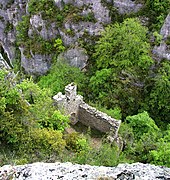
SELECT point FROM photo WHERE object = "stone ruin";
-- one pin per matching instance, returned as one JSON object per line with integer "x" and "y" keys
{"x": 74, "y": 106}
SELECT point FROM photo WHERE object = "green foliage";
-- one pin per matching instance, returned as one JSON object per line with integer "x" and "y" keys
{"x": 22, "y": 30}
{"x": 162, "y": 154}
{"x": 46, "y": 7}
{"x": 59, "y": 45}
{"x": 26, "y": 111}
{"x": 36, "y": 43}
{"x": 160, "y": 93}
{"x": 43, "y": 141}
{"x": 140, "y": 135}
{"x": 157, "y": 11}
{"x": 61, "y": 75}
{"x": 168, "y": 40}
{"x": 9, "y": 27}
{"x": 116, "y": 48}
{"x": 105, "y": 155}
{"x": 114, "y": 113}
{"x": 76, "y": 142}
{"x": 127, "y": 135}
{"x": 122, "y": 65}
{"x": 158, "y": 38}
{"x": 58, "y": 121}
{"x": 52, "y": 13}
{"x": 41, "y": 106}
{"x": 13, "y": 109}
{"x": 101, "y": 85}
{"x": 142, "y": 124}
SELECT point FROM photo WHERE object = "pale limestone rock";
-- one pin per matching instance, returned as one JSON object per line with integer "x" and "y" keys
{"x": 69, "y": 171}
{"x": 127, "y": 6}
{"x": 76, "y": 57}
{"x": 163, "y": 50}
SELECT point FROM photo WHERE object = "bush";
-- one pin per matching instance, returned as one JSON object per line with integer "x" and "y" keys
{"x": 142, "y": 124}
{"x": 140, "y": 136}
{"x": 161, "y": 155}
{"x": 157, "y": 11}
{"x": 45, "y": 141}
{"x": 158, "y": 104}
{"x": 76, "y": 142}
{"x": 61, "y": 75}
{"x": 30, "y": 125}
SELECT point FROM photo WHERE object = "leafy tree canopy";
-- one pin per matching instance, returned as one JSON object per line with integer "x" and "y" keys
{"x": 123, "y": 61}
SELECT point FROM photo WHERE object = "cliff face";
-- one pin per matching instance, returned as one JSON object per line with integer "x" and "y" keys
{"x": 74, "y": 21}
{"x": 10, "y": 13}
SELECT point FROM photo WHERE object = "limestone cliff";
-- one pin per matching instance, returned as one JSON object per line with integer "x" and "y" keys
{"x": 74, "y": 21}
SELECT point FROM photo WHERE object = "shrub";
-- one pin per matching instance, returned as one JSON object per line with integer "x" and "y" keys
{"x": 160, "y": 156}
{"x": 46, "y": 140}
{"x": 61, "y": 75}
{"x": 75, "y": 142}
{"x": 142, "y": 124}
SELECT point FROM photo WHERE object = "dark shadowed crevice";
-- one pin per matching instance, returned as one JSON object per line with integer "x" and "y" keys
{"x": 5, "y": 56}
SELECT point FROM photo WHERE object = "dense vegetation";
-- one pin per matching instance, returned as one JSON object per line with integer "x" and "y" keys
{"x": 122, "y": 80}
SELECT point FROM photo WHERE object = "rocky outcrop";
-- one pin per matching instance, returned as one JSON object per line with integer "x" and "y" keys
{"x": 93, "y": 15}
{"x": 127, "y": 6}
{"x": 163, "y": 50}
{"x": 76, "y": 57}
{"x": 101, "y": 13}
{"x": 69, "y": 171}
{"x": 37, "y": 64}
{"x": 10, "y": 13}
{"x": 73, "y": 105}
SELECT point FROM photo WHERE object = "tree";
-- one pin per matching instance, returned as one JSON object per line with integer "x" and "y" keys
{"x": 142, "y": 124}
{"x": 161, "y": 155}
{"x": 158, "y": 102}
{"x": 143, "y": 134}
{"x": 123, "y": 61}
{"x": 27, "y": 116}
{"x": 60, "y": 75}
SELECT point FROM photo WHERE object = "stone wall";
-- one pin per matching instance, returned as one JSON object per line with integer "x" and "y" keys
{"x": 73, "y": 105}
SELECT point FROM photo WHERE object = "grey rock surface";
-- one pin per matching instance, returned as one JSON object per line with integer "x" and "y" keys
{"x": 76, "y": 57}
{"x": 3, "y": 63}
{"x": 69, "y": 171}
{"x": 38, "y": 64}
{"x": 11, "y": 13}
{"x": 163, "y": 50}
{"x": 127, "y": 6}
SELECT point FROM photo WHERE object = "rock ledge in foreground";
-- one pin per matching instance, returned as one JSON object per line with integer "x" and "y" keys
{"x": 69, "y": 171}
